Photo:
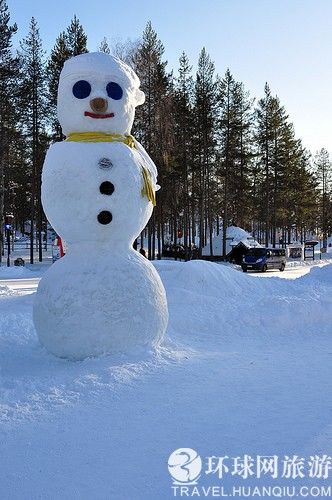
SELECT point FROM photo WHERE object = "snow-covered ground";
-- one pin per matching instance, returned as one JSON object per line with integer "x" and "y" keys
{"x": 246, "y": 369}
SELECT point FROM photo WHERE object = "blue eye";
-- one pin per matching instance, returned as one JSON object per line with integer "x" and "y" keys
{"x": 82, "y": 89}
{"x": 114, "y": 91}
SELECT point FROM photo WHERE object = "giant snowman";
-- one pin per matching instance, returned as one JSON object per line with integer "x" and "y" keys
{"x": 98, "y": 192}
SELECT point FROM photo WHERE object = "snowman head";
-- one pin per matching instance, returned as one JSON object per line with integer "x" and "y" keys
{"x": 97, "y": 93}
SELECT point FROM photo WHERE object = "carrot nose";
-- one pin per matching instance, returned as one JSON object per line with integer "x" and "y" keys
{"x": 98, "y": 105}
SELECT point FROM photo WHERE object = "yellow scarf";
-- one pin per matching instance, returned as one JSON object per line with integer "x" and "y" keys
{"x": 147, "y": 190}
{"x": 101, "y": 137}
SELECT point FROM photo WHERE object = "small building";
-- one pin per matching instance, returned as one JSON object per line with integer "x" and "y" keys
{"x": 238, "y": 242}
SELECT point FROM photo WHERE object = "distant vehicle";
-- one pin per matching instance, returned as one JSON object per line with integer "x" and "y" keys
{"x": 262, "y": 259}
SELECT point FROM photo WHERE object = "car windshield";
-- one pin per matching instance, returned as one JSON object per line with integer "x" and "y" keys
{"x": 256, "y": 252}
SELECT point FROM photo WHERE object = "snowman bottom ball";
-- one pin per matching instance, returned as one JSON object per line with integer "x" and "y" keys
{"x": 115, "y": 304}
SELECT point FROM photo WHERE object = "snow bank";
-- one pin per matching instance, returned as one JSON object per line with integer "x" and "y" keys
{"x": 322, "y": 275}
{"x": 14, "y": 272}
{"x": 216, "y": 303}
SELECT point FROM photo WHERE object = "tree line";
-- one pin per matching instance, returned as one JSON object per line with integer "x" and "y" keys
{"x": 224, "y": 158}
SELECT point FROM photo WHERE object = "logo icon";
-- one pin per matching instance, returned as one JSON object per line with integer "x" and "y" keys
{"x": 185, "y": 465}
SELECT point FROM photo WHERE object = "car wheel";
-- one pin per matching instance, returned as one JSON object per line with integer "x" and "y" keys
{"x": 264, "y": 268}
{"x": 282, "y": 267}
{"x": 244, "y": 269}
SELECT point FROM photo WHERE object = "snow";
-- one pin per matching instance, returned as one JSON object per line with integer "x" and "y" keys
{"x": 116, "y": 303}
{"x": 234, "y": 235}
{"x": 14, "y": 272}
{"x": 245, "y": 369}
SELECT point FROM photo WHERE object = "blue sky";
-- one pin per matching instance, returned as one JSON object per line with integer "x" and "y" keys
{"x": 287, "y": 43}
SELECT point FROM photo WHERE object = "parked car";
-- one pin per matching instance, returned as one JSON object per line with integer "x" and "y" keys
{"x": 262, "y": 259}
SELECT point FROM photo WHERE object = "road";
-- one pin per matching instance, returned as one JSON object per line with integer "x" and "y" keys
{"x": 290, "y": 273}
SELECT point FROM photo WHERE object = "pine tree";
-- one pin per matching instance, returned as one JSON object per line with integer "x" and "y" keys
{"x": 183, "y": 149}
{"x": 234, "y": 152}
{"x": 205, "y": 123}
{"x": 69, "y": 43}
{"x": 264, "y": 138}
{"x": 17, "y": 193}
{"x": 323, "y": 171}
{"x": 302, "y": 196}
{"x": 8, "y": 75}
{"x": 104, "y": 47}
{"x": 76, "y": 38}
{"x": 281, "y": 162}
{"x": 59, "y": 54}
{"x": 242, "y": 208}
{"x": 33, "y": 107}
{"x": 150, "y": 126}
{"x": 227, "y": 135}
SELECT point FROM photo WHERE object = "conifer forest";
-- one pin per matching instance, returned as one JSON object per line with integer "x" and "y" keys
{"x": 224, "y": 157}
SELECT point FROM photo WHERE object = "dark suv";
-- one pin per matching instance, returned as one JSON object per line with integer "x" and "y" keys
{"x": 262, "y": 259}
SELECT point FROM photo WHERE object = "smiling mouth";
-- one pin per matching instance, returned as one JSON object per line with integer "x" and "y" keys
{"x": 97, "y": 115}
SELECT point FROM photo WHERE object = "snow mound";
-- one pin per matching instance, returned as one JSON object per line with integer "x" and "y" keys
{"x": 14, "y": 272}
{"x": 205, "y": 278}
{"x": 237, "y": 233}
{"x": 217, "y": 305}
{"x": 323, "y": 275}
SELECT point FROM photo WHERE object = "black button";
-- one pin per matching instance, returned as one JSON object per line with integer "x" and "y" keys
{"x": 106, "y": 188}
{"x": 104, "y": 217}
{"x": 105, "y": 163}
